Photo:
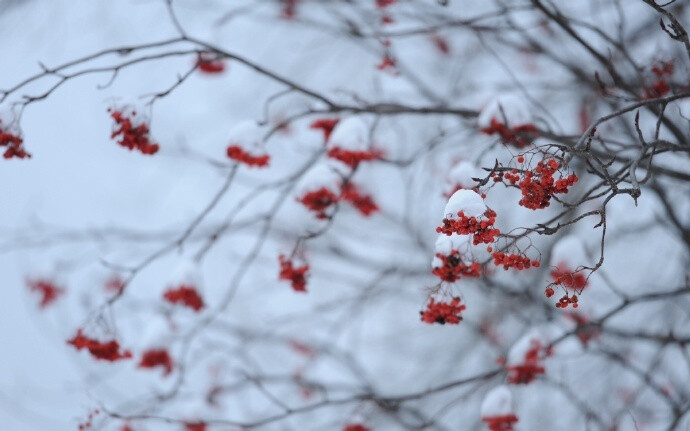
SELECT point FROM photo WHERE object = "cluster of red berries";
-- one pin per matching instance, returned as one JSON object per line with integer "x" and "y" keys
{"x": 384, "y": 3}
{"x": 454, "y": 268}
{"x": 185, "y": 295}
{"x": 132, "y": 137}
{"x": 518, "y": 136}
{"x": 89, "y": 420}
{"x": 387, "y": 63}
{"x": 153, "y": 358}
{"x": 660, "y": 87}
{"x": 326, "y": 125}
{"x": 530, "y": 368}
{"x": 297, "y": 276}
{"x": 566, "y": 301}
{"x": 47, "y": 289}
{"x": 353, "y": 158}
{"x": 210, "y": 64}
{"x": 320, "y": 200}
{"x": 114, "y": 284}
{"x": 538, "y": 185}
{"x": 443, "y": 312}
{"x": 500, "y": 423}
{"x": 363, "y": 203}
{"x": 584, "y": 330}
{"x": 482, "y": 230}
{"x": 13, "y": 144}
{"x": 575, "y": 280}
{"x": 441, "y": 44}
{"x": 235, "y": 152}
{"x": 514, "y": 261}
{"x": 289, "y": 8}
{"x": 356, "y": 427}
{"x": 195, "y": 426}
{"x": 106, "y": 351}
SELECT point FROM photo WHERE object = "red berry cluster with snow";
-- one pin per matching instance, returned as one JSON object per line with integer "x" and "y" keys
{"x": 467, "y": 214}
{"x": 11, "y": 137}
{"x": 509, "y": 118}
{"x": 497, "y": 409}
{"x": 131, "y": 128}
{"x": 349, "y": 143}
{"x": 246, "y": 145}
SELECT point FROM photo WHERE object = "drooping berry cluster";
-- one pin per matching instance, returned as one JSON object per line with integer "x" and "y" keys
{"x": 296, "y": 275}
{"x": 153, "y": 358}
{"x": 48, "y": 290}
{"x": 443, "y": 312}
{"x": 185, "y": 295}
{"x": 660, "y": 87}
{"x": 530, "y": 368}
{"x": 326, "y": 125}
{"x": 514, "y": 261}
{"x": 235, "y": 152}
{"x": 518, "y": 136}
{"x": 563, "y": 276}
{"x": 13, "y": 144}
{"x": 106, "y": 351}
{"x": 131, "y": 136}
{"x": 538, "y": 185}
{"x": 453, "y": 268}
{"x": 482, "y": 230}
{"x": 500, "y": 423}
{"x": 566, "y": 301}
{"x": 88, "y": 423}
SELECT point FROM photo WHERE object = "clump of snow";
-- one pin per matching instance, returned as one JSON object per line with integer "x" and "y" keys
{"x": 467, "y": 201}
{"x": 320, "y": 176}
{"x": 9, "y": 122}
{"x": 510, "y": 110}
{"x": 247, "y": 135}
{"x": 497, "y": 402}
{"x": 569, "y": 250}
{"x": 132, "y": 109}
{"x": 187, "y": 272}
{"x": 350, "y": 134}
{"x": 445, "y": 244}
{"x": 543, "y": 336}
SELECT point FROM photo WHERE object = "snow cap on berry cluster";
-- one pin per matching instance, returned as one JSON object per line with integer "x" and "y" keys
{"x": 350, "y": 134}
{"x": 510, "y": 110}
{"x": 446, "y": 244}
{"x": 467, "y": 201}
{"x": 132, "y": 109}
{"x": 9, "y": 122}
{"x": 248, "y": 136}
{"x": 188, "y": 272}
{"x": 497, "y": 402}
{"x": 320, "y": 176}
